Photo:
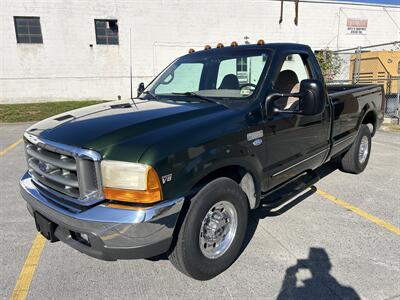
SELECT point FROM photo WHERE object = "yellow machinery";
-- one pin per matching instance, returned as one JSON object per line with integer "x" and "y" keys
{"x": 381, "y": 67}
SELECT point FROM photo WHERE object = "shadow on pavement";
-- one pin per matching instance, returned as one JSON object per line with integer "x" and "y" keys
{"x": 321, "y": 284}
{"x": 262, "y": 212}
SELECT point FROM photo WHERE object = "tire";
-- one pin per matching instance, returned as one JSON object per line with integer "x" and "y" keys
{"x": 353, "y": 162}
{"x": 188, "y": 256}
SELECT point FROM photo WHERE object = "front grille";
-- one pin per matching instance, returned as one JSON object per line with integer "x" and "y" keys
{"x": 57, "y": 171}
{"x": 65, "y": 172}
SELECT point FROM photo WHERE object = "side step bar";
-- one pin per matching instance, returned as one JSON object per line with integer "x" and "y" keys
{"x": 280, "y": 195}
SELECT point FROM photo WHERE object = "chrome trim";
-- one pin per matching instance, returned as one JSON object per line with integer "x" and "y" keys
{"x": 344, "y": 140}
{"x": 300, "y": 162}
{"x": 76, "y": 151}
{"x": 218, "y": 229}
{"x": 363, "y": 151}
{"x": 66, "y": 165}
{"x": 99, "y": 213}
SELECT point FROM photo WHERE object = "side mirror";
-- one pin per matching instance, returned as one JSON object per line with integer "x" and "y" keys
{"x": 272, "y": 106}
{"x": 140, "y": 89}
{"x": 311, "y": 99}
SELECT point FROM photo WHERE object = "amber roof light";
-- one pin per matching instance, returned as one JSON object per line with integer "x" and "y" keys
{"x": 220, "y": 45}
{"x": 207, "y": 47}
{"x": 260, "y": 42}
{"x": 234, "y": 44}
{"x": 191, "y": 50}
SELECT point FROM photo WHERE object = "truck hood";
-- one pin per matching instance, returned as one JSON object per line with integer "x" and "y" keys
{"x": 131, "y": 128}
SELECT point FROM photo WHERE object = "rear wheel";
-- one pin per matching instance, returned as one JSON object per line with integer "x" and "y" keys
{"x": 356, "y": 159}
{"x": 212, "y": 233}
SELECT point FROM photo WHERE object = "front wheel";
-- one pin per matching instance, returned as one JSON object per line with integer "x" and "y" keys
{"x": 356, "y": 159}
{"x": 213, "y": 231}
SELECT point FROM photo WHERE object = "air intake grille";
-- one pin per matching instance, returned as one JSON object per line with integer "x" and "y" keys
{"x": 64, "y": 172}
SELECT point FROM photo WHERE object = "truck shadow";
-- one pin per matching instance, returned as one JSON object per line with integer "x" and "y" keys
{"x": 311, "y": 279}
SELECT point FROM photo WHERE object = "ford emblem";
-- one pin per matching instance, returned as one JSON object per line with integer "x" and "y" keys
{"x": 43, "y": 167}
{"x": 257, "y": 142}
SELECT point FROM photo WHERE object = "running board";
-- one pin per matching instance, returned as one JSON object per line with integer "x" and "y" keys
{"x": 280, "y": 195}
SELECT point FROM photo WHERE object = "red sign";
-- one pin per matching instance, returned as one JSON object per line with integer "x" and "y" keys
{"x": 357, "y": 26}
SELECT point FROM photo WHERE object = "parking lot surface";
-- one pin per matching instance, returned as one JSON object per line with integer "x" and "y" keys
{"x": 341, "y": 241}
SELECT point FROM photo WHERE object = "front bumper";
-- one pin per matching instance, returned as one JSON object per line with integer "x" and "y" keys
{"x": 112, "y": 233}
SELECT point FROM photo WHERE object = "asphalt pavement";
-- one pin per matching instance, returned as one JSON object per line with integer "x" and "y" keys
{"x": 341, "y": 241}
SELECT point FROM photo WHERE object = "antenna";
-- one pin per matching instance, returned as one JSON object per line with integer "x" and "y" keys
{"x": 130, "y": 65}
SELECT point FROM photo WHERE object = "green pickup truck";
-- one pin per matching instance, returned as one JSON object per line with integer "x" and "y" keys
{"x": 176, "y": 170}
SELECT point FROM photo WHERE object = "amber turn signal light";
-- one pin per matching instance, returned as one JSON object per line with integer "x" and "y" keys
{"x": 152, "y": 194}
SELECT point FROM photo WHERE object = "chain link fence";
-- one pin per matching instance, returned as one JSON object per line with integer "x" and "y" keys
{"x": 392, "y": 107}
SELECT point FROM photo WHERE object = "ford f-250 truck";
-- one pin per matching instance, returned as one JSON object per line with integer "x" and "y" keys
{"x": 177, "y": 170}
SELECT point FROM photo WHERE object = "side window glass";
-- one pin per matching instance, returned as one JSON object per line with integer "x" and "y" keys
{"x": 293, "y": 71}
{"x": 185, "y": 78}
{"x": 247, "y": 70}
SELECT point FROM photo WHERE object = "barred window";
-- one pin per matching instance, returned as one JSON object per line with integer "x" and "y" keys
{"x": 241, "y": 64}
{"x": 106, "y": 32}
{"x": 28, "y": 30}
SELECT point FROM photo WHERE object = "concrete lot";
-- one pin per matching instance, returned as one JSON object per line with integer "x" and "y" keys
{"x": 315, "y": 250}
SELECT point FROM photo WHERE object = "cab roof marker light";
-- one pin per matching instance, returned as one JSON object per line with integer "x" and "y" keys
{"x": 191, "y": 50}
{"x": 207, "y": 47}
{"x": 234, "y": 44}
{"x": 260, "y": 42}
{"x": 220, "y": 45}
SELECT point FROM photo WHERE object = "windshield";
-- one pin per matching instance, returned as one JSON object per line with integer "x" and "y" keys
{"x": 221, "y": 74}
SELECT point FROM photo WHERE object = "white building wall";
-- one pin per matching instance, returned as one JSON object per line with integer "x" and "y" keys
{"x": 66, "y": 67}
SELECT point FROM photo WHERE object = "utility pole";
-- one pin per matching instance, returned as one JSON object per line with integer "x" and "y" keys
{"x": 130, "y": 62}
{"x": 357, "y": 66}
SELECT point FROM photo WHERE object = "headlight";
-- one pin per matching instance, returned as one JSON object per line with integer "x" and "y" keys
{"x": 130, "y": 182}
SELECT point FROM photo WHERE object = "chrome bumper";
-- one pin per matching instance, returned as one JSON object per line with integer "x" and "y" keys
{"x": 112, "y": 233}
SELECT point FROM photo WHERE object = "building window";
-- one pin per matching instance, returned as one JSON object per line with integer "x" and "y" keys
{"x": 106, "y": 32}
{"x": 241, "y": 64}
{"x": 27, "y": 30}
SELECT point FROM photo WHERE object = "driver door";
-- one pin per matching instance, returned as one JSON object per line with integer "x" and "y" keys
{"x": 294, "y": 142}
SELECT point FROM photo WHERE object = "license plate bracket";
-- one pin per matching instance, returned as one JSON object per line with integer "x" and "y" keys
{"x": 46, "y": 227}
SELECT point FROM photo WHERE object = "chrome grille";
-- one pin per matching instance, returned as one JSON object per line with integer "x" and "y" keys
{"x": 64, "y": 169}
{"x": 55, "y": 170}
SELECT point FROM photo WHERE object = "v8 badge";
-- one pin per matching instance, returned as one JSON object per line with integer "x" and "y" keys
{"x": 166, "y": 178}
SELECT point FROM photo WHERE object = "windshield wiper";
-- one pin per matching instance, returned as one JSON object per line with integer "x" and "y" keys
{"x": 151, "y": 94}
{"x": 193, "y": 94}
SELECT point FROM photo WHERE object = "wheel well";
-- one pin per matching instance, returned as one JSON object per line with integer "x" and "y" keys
{"x": 370, "y": 119}
{"x": 238, "y": 174}
{"x": 235, "y": 173}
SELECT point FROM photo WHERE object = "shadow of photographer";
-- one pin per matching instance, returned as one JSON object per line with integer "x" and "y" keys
{"x": 298, "y": 284}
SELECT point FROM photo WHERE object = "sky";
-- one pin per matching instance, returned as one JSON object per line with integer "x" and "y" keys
{"x": 393, "y": 2}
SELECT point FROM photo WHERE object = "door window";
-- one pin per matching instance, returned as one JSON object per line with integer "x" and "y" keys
{"x": 247, "y": 70}
{"x": 294, "y": 70}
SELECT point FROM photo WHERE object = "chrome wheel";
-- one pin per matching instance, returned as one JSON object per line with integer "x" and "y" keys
{"x": 218, "y": 229}
{"x": 363, "y": 150}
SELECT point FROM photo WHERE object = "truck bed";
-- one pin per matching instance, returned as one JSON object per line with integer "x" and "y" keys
{"x": 348, "y": 88}
{"x": 349, "y": 103}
